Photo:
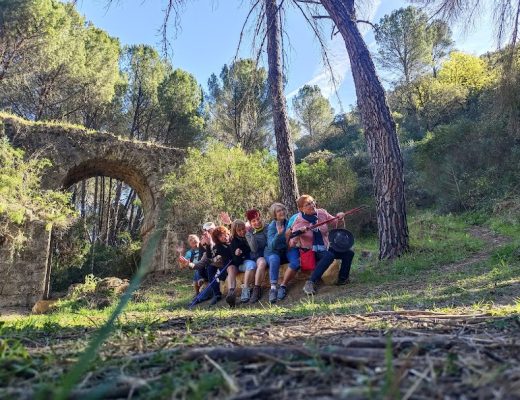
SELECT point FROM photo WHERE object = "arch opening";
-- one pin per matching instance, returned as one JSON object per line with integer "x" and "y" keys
{"x": 116, "y": 210}
{"x": 115, "y": 170}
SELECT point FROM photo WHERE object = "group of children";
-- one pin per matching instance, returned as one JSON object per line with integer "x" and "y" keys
{"x": 252, "y": 247}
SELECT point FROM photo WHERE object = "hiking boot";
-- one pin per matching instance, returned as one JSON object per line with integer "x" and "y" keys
{"x": 342, "y": 282}
{"x": 282, "y": 292}
{"x": 245, "y": 295}
{"x": 231, "y": 298}
{"x": 215, "y": 299}
{"x": 272, "y": 296}
{"x": 255, "y": 296}
{"x": 309, "y": 288}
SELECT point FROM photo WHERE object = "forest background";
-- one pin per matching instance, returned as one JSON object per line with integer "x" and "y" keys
{"x": 456, "y": 115}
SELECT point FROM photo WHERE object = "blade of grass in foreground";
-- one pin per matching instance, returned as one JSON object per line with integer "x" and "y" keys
{"x": 83, "y": 363}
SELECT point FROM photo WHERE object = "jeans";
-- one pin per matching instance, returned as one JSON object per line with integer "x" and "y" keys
{"x": 197, "y": 276}
{"x": 293, "y": 255}
{"x": 208, "y": 274}
{"x": 323, "y": 261}
{"x": 273, "y": 260}
{"x": 247, "y": 265}
{"x": 346, "y": 261}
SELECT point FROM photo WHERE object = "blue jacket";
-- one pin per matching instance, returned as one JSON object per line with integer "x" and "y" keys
{"x": 276, "y": 243}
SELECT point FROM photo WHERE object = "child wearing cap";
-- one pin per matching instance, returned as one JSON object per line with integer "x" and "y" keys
{"x": 205, "y": 266}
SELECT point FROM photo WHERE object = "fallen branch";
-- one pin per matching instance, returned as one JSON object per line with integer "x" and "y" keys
{"x": 352, "y": 357}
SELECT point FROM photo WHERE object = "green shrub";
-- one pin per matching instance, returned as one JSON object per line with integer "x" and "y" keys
{"x": 73, "y": 258}
{"x": 329, "y": 179}
{"x": 220, "y": 179}
{"x": 22, "y": 199}
{"x": 467, "y": 164}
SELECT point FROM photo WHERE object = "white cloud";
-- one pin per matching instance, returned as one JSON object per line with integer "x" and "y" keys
{"x": 338, "y": 57}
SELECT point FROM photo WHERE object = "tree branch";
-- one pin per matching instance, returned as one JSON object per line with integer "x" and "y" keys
{"x": 362, "y": 21}
{"x": 309, "y": 2}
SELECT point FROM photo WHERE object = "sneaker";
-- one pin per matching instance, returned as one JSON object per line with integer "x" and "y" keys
{"x": 309, "y": 288}
{"x": 282, "y": 292}
{"x": 245, "y": 295}
{"x": 215, "y": 299}
{"x": 342, "y": 282}
{"x": 272, "y": 296}
{"x": 255, "y": 296}
{"x": 231, "y": 298}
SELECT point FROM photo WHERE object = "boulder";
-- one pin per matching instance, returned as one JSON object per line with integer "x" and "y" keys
{"x": 111, "y": 285}
{"x": 43, "y": 306}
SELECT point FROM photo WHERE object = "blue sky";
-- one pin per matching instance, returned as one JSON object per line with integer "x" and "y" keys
{"x": 210, "y": 29}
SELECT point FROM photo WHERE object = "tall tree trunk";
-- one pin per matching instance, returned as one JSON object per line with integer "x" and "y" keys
{"x": 134, "y": 230}
{"x": 115, "y": 215}
{"x": 132, "y": 208}
{"x": 284, "y": 150}
{"x": 380, "y": 133}
{"x": 101, "y": 206}
{"x": 94, "y": 226}
{"x": 109, "y": 211}
{"x": 83, "y": 197}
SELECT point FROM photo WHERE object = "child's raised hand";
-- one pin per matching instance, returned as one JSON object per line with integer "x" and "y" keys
{"x": 184, "y": 262}
{"x": 279, "y": 227}
{"x": 238, "y": 252}
{"x": 224, "y": 217}
{"x": 206, "y": 238}
{"x": 179, "y": 248}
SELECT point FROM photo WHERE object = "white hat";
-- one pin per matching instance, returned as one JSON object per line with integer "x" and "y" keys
{"x": 208, "y": 225}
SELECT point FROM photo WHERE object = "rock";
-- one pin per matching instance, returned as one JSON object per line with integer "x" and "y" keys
{"x": 111, "y": 285}
{"x": 330, "y": 277}
{"x": 366, "y": 254}
{"x": 43, "y": 306}
{"x": 121, "y": 288}
{"x": 100, "y": 302}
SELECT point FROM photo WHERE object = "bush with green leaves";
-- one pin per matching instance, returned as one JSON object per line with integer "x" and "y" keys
{"x": 22, "y": 199}
{"x": 329, "y": 179}
{"x": 468, "y": 164}
{"x": 220, "y": 179}
{"x": 74, "y": 257}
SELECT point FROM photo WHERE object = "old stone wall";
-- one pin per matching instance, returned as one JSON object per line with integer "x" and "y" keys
{"x": 24, "y": 276}
{"x": 77, "y": 154}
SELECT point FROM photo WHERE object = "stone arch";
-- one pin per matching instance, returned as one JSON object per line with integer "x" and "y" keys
{"x": 122, "y": 171}
{"x": 77, "y": 154}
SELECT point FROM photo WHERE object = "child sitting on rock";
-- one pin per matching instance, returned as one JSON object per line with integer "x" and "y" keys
{"x": 224, "y": 256}
{"x": 242, "y": 257}
{"x": 257, "y": 239}
{"x": 194, "y": 254}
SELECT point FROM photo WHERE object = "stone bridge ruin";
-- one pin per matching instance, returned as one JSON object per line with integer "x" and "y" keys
{"x": 77, "y": 154}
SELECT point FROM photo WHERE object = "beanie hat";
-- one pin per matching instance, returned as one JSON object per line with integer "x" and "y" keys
{"x": 252, "y": 214}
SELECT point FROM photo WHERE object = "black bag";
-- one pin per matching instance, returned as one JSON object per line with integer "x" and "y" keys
{"x": 341, "y": 240}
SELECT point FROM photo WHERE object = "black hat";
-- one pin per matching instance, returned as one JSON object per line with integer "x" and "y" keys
{"x": 341, "y": 240}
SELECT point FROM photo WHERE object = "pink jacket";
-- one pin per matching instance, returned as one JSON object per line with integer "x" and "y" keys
{"x": 306, "y": 238}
